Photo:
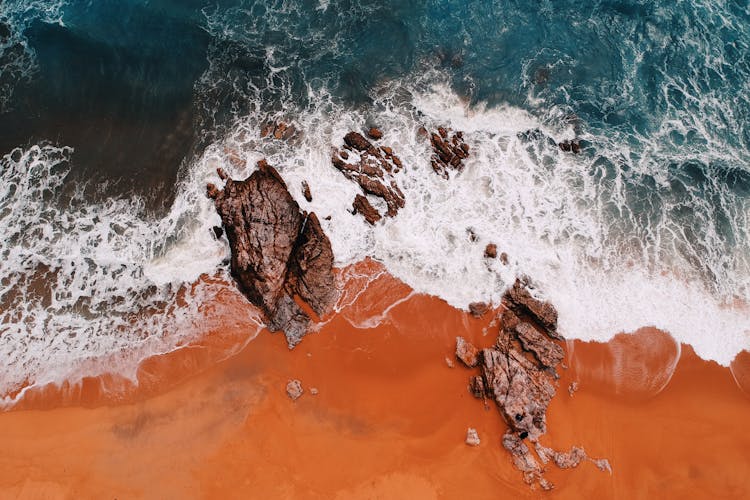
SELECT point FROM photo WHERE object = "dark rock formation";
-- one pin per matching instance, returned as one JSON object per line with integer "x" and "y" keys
{"x": 306, "y": 191}
{"x": 509, "y": 320}
{"x": 362, "y": 206}
{"x": 450, "y": 151}
{"x": 279, "y": 253}
{"x": 521, "y": 301}
{"x": 504, "y": 258}
{"x": 375, "y": 133}
{"x": 490, "y": 251}
{"x": 466, "y": 352}
{"x": 478, "y": 309}
{"x": 476, "y": 387}
{"x": 570, "y": 146}
{"x": 518, "y": 374}
{"x": 372, "y": 168}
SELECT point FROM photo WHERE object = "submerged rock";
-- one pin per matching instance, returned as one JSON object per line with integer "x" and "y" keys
{"x": 278, "y": 251}
{"x": 570, "y": 146}
{"x": 278, "y": 130}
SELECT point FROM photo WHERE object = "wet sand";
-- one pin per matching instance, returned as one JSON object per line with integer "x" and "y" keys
{"x": 389, "y": 420}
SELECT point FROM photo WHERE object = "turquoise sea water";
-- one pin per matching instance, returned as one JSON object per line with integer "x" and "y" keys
{"x": 113, "y": 113}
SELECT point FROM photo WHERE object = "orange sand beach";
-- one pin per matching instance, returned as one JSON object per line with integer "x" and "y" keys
{"x": 213, "y": 420}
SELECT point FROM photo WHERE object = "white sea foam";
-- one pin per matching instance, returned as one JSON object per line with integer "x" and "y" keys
{"x": 563, "y": 220}
{"x": 89, "y": 288}
{"x": 92, "y": 288}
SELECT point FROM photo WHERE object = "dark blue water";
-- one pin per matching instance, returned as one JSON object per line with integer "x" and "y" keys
{"x": 136, "y": 91}
{"x": 132, "y": 85}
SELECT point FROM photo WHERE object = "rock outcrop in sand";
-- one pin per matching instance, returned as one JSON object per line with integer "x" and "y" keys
{"x": 373, "y": 168}
{"x": 280, "y": 254}
{"x": 519, "y": 374}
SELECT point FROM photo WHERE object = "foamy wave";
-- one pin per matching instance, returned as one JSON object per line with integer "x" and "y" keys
{"x": 87, "y": 288}
{"x": 567, "y": 220}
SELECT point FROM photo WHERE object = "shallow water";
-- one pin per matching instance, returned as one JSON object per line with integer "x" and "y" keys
{"x": 389, "y": 418}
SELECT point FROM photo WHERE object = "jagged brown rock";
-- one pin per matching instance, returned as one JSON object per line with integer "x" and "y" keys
{"x": 490, "y": 251}
{"x": 372, "y": 168}
{"x": 504, "y": 258}
{"x": 546, "y": 352}
{"x": 306, "y": 191}
{"x": 450, "y": 151}
{"x": 466, "y": 352}
{"x": 521, "y": 301}
{"x": 509, "y": 320}
{"x": 375, "y": 133}
{"x": 362, "y": 206}
{"x": 278, "y": 130}
{"x": 476, "y": 387}
{"x": 478, "y": 309}
{"x": 278, "y": 251}
{"x": 518, "y": 373}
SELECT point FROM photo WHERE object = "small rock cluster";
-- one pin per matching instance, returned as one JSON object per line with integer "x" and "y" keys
{"x": 450, "y": 151}
{"x": 373, "y": 168}
{"x": 295, "y": 391}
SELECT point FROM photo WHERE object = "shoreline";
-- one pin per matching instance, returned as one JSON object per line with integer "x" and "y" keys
{"x": 390, "y": 418}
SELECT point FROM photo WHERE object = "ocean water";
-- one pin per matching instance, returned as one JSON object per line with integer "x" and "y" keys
{"x": 115, "y": 114}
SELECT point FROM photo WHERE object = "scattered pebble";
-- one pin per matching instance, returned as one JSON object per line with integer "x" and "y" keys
{"x": 472, "y": 438}
{"x": 294, "y": 389}
{"x": 314, "y": 391}
{"x": 573, "y": 387}
{"x": 449, "y": 362}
